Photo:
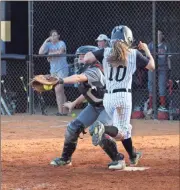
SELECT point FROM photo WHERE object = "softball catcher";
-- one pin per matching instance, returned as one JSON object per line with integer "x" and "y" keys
{"x": 92, "y": 87}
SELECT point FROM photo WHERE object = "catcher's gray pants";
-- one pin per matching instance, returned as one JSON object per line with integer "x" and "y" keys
{"x": 86, "y": 118}
{"x": 90, "y": 114}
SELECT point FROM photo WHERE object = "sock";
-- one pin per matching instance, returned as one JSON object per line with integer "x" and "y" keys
{"x": 127, "y": 143}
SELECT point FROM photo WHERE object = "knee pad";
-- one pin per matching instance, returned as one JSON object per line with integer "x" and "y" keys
{"x": 91, "y": 130}
{"x": 73, "y": 130}
{"x": 110, "y": 130}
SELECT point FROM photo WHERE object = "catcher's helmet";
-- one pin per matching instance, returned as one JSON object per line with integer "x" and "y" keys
{"x": 122, "y": 33}
{"x": 85, "y": 49}
{"x": 79, "y": 65}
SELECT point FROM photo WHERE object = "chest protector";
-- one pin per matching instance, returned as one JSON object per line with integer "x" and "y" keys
{"x": 93, "y": 94}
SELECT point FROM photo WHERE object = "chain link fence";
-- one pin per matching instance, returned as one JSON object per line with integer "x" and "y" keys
{"x": 167, "y": 94}
{"x": 80, "y": 23}
{"x": 14, "y": 91}
{"x": 168, "y": 22}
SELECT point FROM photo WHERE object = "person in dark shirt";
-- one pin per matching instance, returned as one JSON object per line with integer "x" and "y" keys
{"x": 164, "y": 64}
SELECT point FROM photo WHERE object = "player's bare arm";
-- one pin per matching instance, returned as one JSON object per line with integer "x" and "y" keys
{"x": 80, "y": 99}
{"x": 75, "y": 79}
{"x": 42, "y": 48}
{"x": 151, "y": 64}
{"x": 71, "y": 105}
{"x": 68, "y": 80}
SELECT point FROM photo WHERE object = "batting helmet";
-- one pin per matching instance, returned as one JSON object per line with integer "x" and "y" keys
{"x": 122, "y": 33}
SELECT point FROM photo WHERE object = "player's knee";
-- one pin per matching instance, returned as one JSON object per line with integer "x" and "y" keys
{"x": 111, "y": 130}
{"x": 73, "y": 130}
{"x": 123, "y": 136}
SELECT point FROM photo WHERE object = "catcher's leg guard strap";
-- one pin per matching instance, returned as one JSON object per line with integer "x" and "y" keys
{"x": 68, "y": 150}
{"x": 71, "y": 137}
{"x": 110, "y": 147}
{"x": 73, "y": 130}
{"x": 111, "y": 130}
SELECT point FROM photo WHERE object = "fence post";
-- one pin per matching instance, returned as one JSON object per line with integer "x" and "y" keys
{"x": 30, "y": 53}
{"x": 155, "y": 50}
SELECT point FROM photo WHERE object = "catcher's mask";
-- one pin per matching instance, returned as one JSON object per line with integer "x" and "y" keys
{"x": 78, "y": 61}
{"x": 122, "y": 33}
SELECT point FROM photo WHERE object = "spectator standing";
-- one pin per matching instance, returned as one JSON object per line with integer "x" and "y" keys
{"x": 58, "y": 66}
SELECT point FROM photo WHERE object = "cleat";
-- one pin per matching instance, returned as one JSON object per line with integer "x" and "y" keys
{"x": 117, "y": 165}
{"x": 60, "y": 162}
{"x": 162, "y": 109}
{"x": 134, "y": 161}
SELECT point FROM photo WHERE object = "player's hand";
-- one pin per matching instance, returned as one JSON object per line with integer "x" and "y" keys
{"x": 49, "y": 59}
{"x": 48, "y": 39}
{"x": 69, "y": 105}
{"x": 143, "y": 46}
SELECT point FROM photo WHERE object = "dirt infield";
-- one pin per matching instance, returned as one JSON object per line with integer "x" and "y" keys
{"x": 29, "y": 143}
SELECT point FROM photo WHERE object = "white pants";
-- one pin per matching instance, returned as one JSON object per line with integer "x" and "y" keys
{"x": 119, "y": 106}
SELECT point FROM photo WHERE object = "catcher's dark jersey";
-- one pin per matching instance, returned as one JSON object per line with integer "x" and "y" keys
{"x": 94, "y": 89}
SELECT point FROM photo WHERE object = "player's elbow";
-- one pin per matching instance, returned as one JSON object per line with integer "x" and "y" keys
{"x": 80, "y": 78}
{"x": 41, "y": 52}
{"x": 89, "y": 57}
{"x": 151, "y": 65}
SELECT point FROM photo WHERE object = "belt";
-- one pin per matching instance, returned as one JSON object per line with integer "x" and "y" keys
{"x": 119, "y": 90}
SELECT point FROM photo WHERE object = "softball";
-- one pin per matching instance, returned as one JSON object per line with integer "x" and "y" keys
{"x": 47, "y": 87}
{"x": 73, "y": 115}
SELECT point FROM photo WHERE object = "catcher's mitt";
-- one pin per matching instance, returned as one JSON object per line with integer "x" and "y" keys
{"x": 42, "y": 83}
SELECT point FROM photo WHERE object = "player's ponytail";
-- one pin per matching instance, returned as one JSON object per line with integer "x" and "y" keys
{"x": 119, "y": 54}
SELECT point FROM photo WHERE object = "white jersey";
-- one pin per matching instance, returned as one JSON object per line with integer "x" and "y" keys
{"x": 119, "y": 77}
{"x": 118, "y": 104}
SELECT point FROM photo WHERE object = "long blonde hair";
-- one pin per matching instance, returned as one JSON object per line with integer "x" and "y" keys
{"x": 119, "y": 54}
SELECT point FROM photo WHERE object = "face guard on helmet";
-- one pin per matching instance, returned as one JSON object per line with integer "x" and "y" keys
{"x": 122, "y": 33}
{"x": 79, "y": 60}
